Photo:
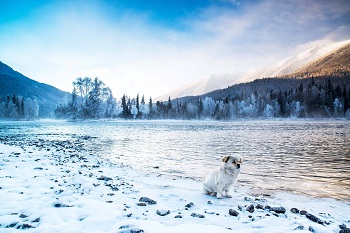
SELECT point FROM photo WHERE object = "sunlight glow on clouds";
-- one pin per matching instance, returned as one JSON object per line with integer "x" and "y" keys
{"x": 133, "y": 51}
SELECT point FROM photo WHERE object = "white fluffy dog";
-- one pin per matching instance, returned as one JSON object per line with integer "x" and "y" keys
{"x": 221, "y": 179}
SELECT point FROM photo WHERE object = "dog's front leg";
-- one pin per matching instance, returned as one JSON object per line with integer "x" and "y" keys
{"x": 219, "y": 195}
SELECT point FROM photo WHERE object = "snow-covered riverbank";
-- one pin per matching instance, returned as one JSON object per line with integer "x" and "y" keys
{"x": 57, "y": 186}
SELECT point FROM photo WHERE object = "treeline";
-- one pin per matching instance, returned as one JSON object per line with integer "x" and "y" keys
{"x": 263, "y": 98}
{"x": 274, "y": 97}
{"x": 16, "y": 108}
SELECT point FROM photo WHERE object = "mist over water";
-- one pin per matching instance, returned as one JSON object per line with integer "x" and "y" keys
{"x": 300, "y": 156}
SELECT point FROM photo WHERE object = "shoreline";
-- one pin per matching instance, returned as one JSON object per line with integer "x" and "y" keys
{"x": 58, "y": 186}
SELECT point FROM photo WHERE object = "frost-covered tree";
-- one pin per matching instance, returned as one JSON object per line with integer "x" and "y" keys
{"x": 134, "y": 111}
{"x": 338, "y": 107}
{"x": 31, "y": 109}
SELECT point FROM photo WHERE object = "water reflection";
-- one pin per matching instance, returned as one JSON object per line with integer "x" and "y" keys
{"x": 309, "y": 157}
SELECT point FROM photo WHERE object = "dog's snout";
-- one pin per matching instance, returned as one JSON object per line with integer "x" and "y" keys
{"x": 238, "y": 165}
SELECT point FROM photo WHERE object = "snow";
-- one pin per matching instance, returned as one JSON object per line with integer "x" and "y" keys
{"x": 53, "y": 190}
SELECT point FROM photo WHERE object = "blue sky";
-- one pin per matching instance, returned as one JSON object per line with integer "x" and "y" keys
{"x": 151, "y": 47}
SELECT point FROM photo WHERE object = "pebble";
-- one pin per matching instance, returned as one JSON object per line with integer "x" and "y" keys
{"x": 148, "y": 200}
{"x": 178, "y": 216}
{"x": 210, "y": 202}
{"x": 233, "y": 212}
{"x": 278, "y": 210}
{"x": 195, "y": 215}
{"x": 259, "y": 206}
{"x": 314, "y": 218}
{"x": 163, "y": 212}
{"x": 189, "y": 205}
{"x": 250, "y": 208}
{"x": 294, "y": 210}
{"x": 303, "y": 212}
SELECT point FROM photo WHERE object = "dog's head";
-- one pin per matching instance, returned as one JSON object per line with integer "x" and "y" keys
{"x": 232, "y": 161}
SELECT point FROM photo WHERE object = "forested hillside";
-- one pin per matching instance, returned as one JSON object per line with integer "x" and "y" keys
{"x": 16, "y": 89}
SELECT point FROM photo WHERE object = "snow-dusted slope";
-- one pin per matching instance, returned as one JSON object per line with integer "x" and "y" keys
{"x": 201, "y": 86}
{"x": 293, "y": 63}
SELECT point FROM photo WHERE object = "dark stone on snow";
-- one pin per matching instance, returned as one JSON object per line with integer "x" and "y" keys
{"x": 314, "y": 218}
{"x": 105, "y": 178}
{"x": 38, "y": 168}
{"x": 294, "y": 210}
{"x": 240, "y": 208}
{"x": 278, "y": 210}
{"x": 141, "y": 204}
{"x": 128, "y": 229}
{"x": 342, "y": 226}
{"x": 197, "y": 215}
{"x": 23, "y": 216}
{"x": 163, "y": 212}
{"x": 299, "y": 228}
{"x": 59, "y": 205}
{"x": 178, "y": 216}
{"x": 345, "y": 230}
{"x": 247, "y": 199}
{"x": 259, "y": 206}
{"x": 12, "y": 225}
{"x": 250, "y": 208}
{"x": 233, "y": 212}
{"x": 267, "y": 207}
{"x": 311, "y": 229}
{"x": 147, "y": 200}
{"x": 303, "y": 212}
{"x": 189, "y": 205}
{"x": 24, "y": 226}
{"x": 36, "y": 220}
{"x": 209, "y": 202}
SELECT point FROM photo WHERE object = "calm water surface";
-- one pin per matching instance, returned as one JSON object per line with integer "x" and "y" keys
{"x": 308, "y": 157}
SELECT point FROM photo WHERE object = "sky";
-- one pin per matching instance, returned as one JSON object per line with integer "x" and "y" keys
{"x": 152, "y": 47}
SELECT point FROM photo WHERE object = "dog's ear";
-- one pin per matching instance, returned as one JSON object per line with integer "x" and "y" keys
{"x": 224, "y": 159}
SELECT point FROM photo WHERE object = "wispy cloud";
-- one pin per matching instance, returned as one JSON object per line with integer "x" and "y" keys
{"x": 133, "y": 54}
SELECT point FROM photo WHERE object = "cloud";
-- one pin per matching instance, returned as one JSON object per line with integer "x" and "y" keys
{"x": 133, "y": 54}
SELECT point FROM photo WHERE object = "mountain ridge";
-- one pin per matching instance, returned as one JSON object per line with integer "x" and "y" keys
{"x": 13, "y": 82}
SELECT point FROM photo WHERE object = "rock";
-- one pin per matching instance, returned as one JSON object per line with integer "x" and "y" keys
{"x": 23, "y": 216}
{"x": 345, "y": 230}
{"x": 189, "y": 205}
{"x": 12, "y": 225}
{"x": 259, "y": 206}
{"x": 294, "y": 210}
{"x": 163, "y": 212}
{"x": 299, "y": 228}
{"x": 209, "y": 202}
{"x": 178, "y": 216}
{"x": 209, "y": 212}
{"x": 36, "y": 220}
{"x": 141, "y": 204}
{"x": 311, "y": 229}
{"x": 314, "y": 218}
{"x": 278, "y": 210}
{"x": 197, "y": 215}
{"x": 24, "y": 226}
{"x": 240, "y": 208}
{"x": 303, "y": 212}
{"x": 105, "y": 178}
{"x": 250, "y": 208}
{"x": 247, "y": 199}
{"x": 147, "y": 200}
{"x": 233, "y": 212}
{"x": 267, "y": 207}
{"x": 342, "y": 226}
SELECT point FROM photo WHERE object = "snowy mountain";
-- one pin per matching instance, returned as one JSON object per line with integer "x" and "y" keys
{"x": 293, "y": 63}
{"x": 201, "y": 86}
{"x": 282, "y": 68}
